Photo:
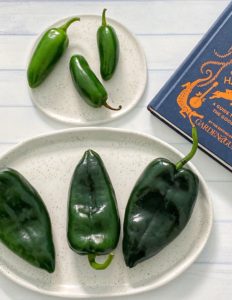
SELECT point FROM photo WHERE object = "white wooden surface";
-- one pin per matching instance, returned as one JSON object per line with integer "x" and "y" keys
{"x": 167, "y": 29}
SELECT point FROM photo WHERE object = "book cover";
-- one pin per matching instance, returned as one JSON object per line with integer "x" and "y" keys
{"x": 200, "y": 92}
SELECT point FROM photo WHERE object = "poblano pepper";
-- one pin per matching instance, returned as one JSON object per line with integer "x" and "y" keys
{"x": 93, "y": 220}
{"x": 108, "y": 47}
{"x": 25, "y": 226}
{"x": 159, "y": 207}
{"x": 87, "y": 83}
{"x": 47, "y": 53}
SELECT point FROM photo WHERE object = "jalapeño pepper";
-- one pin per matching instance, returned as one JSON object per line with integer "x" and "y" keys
{"x": 159, "y": 207}
{"x": 93, "y": 220}
{"x": 25, "y": 226}
{"x": 87, "y": 83}
{"x": 108, "y": 47}
{"x": 47, "y": 53}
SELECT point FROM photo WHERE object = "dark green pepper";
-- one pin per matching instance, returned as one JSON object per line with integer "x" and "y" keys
{"x": 87, "y": 83}
{"x": 108, "y": 47}
{"x": 159, "y": 207}
{"x": 47, "y": 53}
{"x": 25, "y": 226}
{"x": 93, "y": 220}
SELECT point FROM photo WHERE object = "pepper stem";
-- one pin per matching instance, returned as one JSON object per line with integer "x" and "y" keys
{"x": 68, "y": 23}
{"x": 184, "y": 160}
{"x": 112, "y": 108}
{"x": 104, "y": 17}
{"x": 97, "y": 266}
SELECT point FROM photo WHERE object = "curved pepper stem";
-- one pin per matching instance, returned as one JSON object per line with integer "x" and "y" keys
{"x": 112, "y": 108}
{"x": 184, "y": 160}
{"x": 97, "y": 266}
{"x": 68, "y": 23}
{"x": 104, "y": 17}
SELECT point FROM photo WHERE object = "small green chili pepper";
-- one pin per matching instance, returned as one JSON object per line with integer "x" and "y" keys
{"x": 87, "y": 83}
{"x": 25, "y": 226}
{"x": 108, "y": 46}
{"x": 47, "y": 53}
{"x": 159, "y": 207}
{"x": 93, "y": 220}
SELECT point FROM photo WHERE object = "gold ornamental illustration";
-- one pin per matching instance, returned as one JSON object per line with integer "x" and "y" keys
{"x": 226, "y": 95}
{"x": 211, "y": 69}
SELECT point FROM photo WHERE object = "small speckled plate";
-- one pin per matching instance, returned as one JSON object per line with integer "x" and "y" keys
{"x": 48, "y": 163}
{"x": 57, "y": 96}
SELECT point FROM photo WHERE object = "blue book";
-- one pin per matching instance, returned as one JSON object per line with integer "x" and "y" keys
{"x": 200, "y": 92}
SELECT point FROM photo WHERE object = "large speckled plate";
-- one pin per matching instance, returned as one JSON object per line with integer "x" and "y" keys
{"x": 48, "y": 163}
{"x": 57, "y": 97}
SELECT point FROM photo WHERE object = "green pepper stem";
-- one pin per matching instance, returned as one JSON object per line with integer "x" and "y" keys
{"x": 68, "y": 23}
{"x": 97, "y": 266}
{"x": 104, "y": 17}
{"x": 184, "y": 160}
{"x": 112, "y": 108}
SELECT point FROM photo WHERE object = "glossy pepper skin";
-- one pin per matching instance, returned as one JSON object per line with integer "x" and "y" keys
{"x": 93, "y": 220}
{"x": 49, "y": 50}
{"x": 158, "y": 209}
{"x": 108, "y": 47}
{"x": 87, "y": 83}
{"x": 25, "y": 226}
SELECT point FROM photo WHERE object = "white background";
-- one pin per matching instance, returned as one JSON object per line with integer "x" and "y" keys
{"x": 167, "y": 30}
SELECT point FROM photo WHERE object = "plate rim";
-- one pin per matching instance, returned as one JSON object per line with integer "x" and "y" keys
{"x": 88, "y": 123}
{"x": 164, "y": 279}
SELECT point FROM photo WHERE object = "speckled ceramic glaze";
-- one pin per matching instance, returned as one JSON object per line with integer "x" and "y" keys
{"x": 57, "y": 96}
{"x": 48, "y": 163}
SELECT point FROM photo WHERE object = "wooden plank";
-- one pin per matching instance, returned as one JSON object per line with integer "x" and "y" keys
{"x": 167, "y": 52}
{"x": 14, "y": 89}
{"x": 153, "y": 17}
{"x": 30, "y": 122}
{"x": 198, "y": 282}
{"x": 24, "y": 122}
{"x": 14, "y": 51}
